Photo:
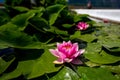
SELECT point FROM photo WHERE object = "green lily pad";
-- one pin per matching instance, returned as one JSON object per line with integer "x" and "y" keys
{"x": 43, "y": 65}
{"x": 54, "y": 12}
{"x": 65, "y": 74}
{"x": 4, "y": 64}
{"x": 102, "y": 57}
{"x": 88, "y": 73}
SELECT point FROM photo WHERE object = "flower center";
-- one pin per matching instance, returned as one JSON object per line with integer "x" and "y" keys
{"x": 67, "y": 47}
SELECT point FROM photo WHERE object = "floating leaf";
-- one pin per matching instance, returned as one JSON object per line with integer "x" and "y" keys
{"x": 101, "y": 58}
{"x": 117, "y": 76}
{"x": 12, "y": 37}
{"x": 23, "y": 68}
{"x": 110, "y": 43}
{"x": 67, "y": 26}
{"x": 43, "y": 65}
{"x": 22, "y": 19}
{"x": 88, "y": 37}
{"x": 57, "y": 31}
{"x": 114, "y": 69}
{"x": 65, "y": 74}
{"x": 93, "y": 47}
{"x": 80, "y": 17}
{"x": 91, "y": 64}
{"x": 114, "y": 49}
{"x": 4, "y": 64}
{"x": 39, "y": 23}
{"x": 4, "y": 17}
{"x": 21, "y": 9}
{"x": 54, "y": 12}
{"x": 76, "y": 35}
{"x": 88, "y": 73}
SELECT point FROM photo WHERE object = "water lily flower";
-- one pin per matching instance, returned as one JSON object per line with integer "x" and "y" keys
{"x": 82, "y": 26}
{"x": 67, "y": 52}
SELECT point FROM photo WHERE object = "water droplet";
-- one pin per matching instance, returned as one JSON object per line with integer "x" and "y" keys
{"x": 67, "y": 76}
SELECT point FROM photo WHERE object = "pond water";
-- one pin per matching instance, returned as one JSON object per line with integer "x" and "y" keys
{"x": 1, "y": 1}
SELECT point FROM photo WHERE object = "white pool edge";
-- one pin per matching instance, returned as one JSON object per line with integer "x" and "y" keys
{"x": 110, "y": 14}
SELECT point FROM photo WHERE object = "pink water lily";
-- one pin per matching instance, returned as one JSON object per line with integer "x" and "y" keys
{"x": 67, "y": 52}
{"x": 82, "y": 26}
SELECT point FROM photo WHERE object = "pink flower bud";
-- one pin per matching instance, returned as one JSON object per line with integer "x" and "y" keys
{"x": 67, "y": 52}
{"x": 82, "y": 26}
{"x": 105, "y": 20}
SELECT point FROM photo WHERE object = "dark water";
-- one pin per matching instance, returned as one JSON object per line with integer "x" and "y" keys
{"x": 1, "y": 1}
{"x": 114, "y": 4}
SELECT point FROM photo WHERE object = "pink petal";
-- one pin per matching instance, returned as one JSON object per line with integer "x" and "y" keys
{"x": 59, "y": 61}
{"x": 78, "y": 53}
{"x": 68, "y": 60}
{"x": 73, "y": 50}
{"x": 58, "y": 44}
{"x": 77, "y": 61}
{"x": 76, "y": 46}
{"x": 82, "y": 26}
{"x": 69, "y": 42}
{"x": 63, "y": 42}
{"x": 54, "y": 52}
{"x": 57, "y": 53}
{"x": 60, "y": 47}
{"x": 62, "y": 55}
{"x": 82, "y": 51}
